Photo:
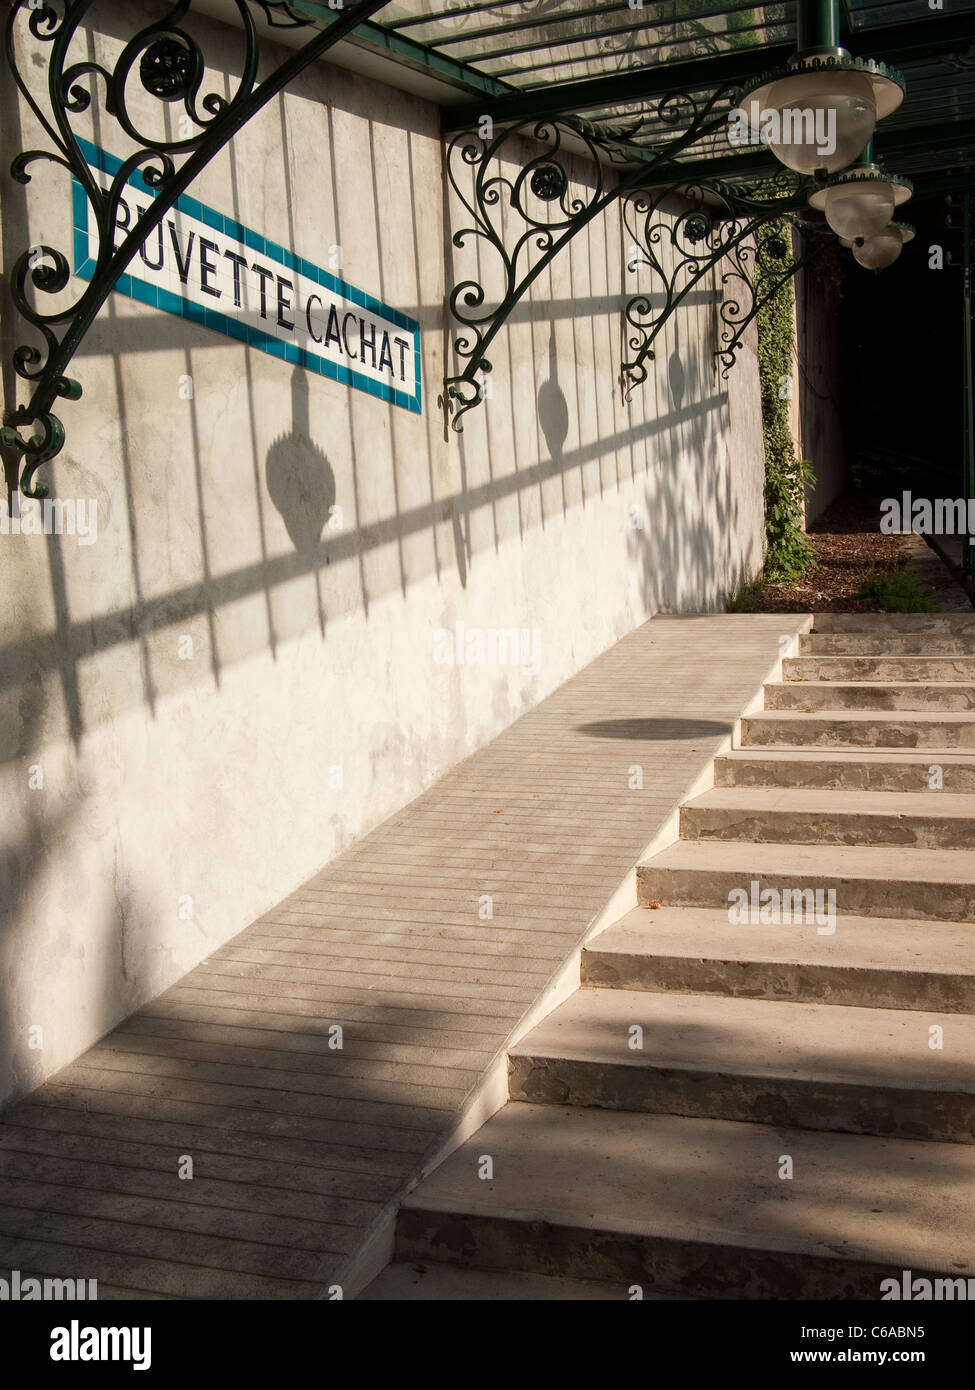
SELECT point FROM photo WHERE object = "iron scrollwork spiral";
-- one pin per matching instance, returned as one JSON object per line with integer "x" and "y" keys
{"x": 165, "y": 60}
{"x": 716, "y": 223}
{"x": 545, "y": 208}
{"x": 778, "y": 255}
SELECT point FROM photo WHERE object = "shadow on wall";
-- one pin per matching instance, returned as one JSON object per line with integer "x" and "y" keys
{"x": 300, "y": 481}
{"x": 38, "y": 874}
{"x": 46, "y": 672}
{"x": 553, "y": 409}
{"x": 693, "y": 533}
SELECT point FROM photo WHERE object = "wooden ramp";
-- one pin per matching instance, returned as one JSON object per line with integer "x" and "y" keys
{"x": 299, "y": 1146}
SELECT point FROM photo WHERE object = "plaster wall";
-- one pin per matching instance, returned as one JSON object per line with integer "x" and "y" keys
{"x": 208, "y": 703}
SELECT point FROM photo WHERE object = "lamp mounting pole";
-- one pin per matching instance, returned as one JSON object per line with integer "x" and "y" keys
{"x": 818, "y": 27}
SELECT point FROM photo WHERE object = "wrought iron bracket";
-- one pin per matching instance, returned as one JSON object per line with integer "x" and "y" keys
{"x": 763, "y": 274}
{"x": 546, "y": 211}
{"x": 718, "y": 224}
{"x": 169, "y": 64}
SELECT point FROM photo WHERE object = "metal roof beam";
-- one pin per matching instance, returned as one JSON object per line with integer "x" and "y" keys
{"x": 930, "y": 37}
{"x": 753, "y": 165}
{"x": 410, "y": 53}
{"x": 636, "y": 84}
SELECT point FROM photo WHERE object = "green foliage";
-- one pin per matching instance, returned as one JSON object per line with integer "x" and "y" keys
{"x": 743, "y": 20}
{"x": 737, "y": 32}
{"x": 788, "y": 550}
{"x": 896, "y": 590}
{"x": 746, "y": 599}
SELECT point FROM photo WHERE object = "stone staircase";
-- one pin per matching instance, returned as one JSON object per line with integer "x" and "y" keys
{"x": 757, "y": 1109}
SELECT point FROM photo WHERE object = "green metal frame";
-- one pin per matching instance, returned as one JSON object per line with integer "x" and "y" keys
{"x": 171, "y": 66}
{"x": 936, "y": 35}
{"x": 718, "y": 224}
{"x": 683, "y": 104}
{"x": 539, "y": 200}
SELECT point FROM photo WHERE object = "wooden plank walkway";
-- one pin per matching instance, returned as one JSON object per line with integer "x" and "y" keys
{"x": 298, "y": 1147}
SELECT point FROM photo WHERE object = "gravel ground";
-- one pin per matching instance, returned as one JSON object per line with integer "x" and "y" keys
{"x": 848, "y": 543}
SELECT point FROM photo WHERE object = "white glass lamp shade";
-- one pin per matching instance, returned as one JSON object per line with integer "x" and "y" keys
{"x": 820, "y": 119}
{"x": 881, "y": 250}
{"x": 859, "y": 208}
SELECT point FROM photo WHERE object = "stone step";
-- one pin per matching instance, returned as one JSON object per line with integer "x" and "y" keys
{"x": 878, "y": 668}
{"x": 866, "y": 881}
{"x": 916, "y": 820}
{"x": 888, "y": 770}
{"x": 893, "y": 644}
{"x": 941, "y": 696}
{"x": 859, "y": 729}
{"x": 695, "y": 1206}
{"x": 882, "y": 623}
{"x": 440, "y": 1283}
{"x": 872, "y": 962}
{"x": 808, "y": 1066}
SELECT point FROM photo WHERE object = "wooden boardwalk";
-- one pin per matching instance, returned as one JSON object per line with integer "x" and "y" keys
{"x": 297, "y": 1146}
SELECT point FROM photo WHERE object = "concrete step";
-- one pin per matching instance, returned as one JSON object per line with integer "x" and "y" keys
{"x": 859, "y": 729}
{"x": 887, "y": 770}
{"x": 882, "y": 623}
{"x": 695, "y": 1206}
{"x": 865, "y": 881}
{"x": 872, "y": 962}
{"x": 878, "y": 668}
{"x": 429, "y": 1283}
{"x": 808, "y": 1066}
{"x": 941, "y": 696}
{"x": 892, "y": 644}
{"x": 780, "y": 815}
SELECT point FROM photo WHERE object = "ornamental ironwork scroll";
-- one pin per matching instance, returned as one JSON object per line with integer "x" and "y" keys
{"x": 759, "y": 271}
{"x": 546, "y": 208}
{"x": 714, "y": 223}
{"x": 168, "y": 63}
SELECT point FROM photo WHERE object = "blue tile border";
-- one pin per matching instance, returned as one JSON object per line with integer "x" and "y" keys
{"x": 168, "y": 302}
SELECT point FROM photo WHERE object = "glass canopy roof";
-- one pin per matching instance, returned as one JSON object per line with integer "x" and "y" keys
{"x": 532, "y": 42}
{"x": 610, "y": 64}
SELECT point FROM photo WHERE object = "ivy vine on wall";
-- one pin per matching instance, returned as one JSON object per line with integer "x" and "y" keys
{"x": 788, "y": 550}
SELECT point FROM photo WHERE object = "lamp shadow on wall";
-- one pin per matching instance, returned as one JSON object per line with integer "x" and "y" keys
{"x": 553, "y": 414}
{"x": 299, "y": 477}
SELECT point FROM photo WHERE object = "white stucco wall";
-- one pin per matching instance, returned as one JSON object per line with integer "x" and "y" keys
{"x": 183, "y": 797}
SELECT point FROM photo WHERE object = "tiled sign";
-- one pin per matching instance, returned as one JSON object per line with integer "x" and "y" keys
{"x": 210, "y": 269}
